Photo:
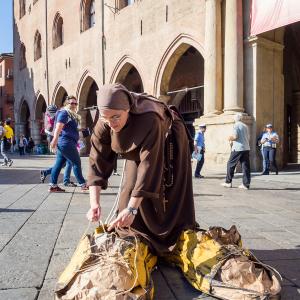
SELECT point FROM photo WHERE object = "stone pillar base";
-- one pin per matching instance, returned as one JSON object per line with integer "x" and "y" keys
{"x": 218, "y": 149}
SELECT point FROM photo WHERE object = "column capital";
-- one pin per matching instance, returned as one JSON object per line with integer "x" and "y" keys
{"x": 255, "y": 41}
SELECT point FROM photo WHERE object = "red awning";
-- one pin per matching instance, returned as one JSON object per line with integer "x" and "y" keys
{"x": 270, "y": 14}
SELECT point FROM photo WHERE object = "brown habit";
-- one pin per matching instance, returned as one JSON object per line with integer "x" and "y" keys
{"x": 167, "y": 207}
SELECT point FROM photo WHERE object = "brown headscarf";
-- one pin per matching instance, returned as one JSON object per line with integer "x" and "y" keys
{"x": 116, "y": 96}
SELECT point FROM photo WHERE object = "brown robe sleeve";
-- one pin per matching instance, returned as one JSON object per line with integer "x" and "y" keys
{"x": 102, "y": 158}
{"x": 150, "y": 169}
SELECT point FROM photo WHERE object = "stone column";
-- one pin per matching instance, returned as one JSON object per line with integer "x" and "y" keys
{"x": 213, "y": 58}
{"x": 35, "y": 131}
{"x": 233, "y": 58}
{"x": 295, "y": 134}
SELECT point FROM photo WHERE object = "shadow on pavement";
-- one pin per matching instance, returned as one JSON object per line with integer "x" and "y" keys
{"x": 12, "y": 210}
{"x": 272, "y": 189}
{"x": 21, "y": 176}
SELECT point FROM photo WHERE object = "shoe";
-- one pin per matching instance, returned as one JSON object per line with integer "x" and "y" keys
{"x": 264, "y": 173}
{"x": 243, "y": 187}
{"x": 3, "y": 165}
{"x": 55, "y": 189}
{"x": 10, "y": 162}
{"x": 84, "y": 187}
{"x": 199, "y": 176}
{"x": 227, "y": 185}
{"x": 70, "y": 184}
{"x": 116, "y": 173}
{"x": 276, "y": 173}
{"x": 42, "y": 176}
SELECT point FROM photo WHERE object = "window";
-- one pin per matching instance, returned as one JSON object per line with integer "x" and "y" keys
{"x": 88, "y": 14}
{"x": 22, "y": 62}
{"x": 57, "y": 31}
{"x": 92, "y": 14}
{"x": 22, "y": 8}
{"x": 123, "y": 3}
{"x": 0, "y": 71}
{"x": 37, "y": 46}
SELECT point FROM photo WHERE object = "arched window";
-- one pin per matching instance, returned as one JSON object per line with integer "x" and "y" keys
{"x": 22, "y": 8}
{"x": 22, "y": 57}
{"x": 123, "y": 3}
{"x": 92, "y": 14}
{"x": 37, "y": 46}
{"x": 87, "y": 14}
{"x": 58, "y": 31}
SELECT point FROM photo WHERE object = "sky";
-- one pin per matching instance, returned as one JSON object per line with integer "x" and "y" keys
{"x": 6, "y": 28}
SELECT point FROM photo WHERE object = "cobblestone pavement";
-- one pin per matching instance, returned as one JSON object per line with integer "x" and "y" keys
{"x": 39, "y": 231}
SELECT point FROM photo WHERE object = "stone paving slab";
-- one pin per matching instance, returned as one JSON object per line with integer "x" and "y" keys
{"x": 39, "y": 231}
{"x": 19, "y": 294}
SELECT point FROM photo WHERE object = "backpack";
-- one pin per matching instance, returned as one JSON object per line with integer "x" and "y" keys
{"x": 49, "y": 122}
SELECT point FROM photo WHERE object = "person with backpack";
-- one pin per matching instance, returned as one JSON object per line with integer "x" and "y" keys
{"x": 22, "y": 144}
{"x": 6, "y": 142}
{"x": 49, "y": 124}
{"x": 30, "y": 146}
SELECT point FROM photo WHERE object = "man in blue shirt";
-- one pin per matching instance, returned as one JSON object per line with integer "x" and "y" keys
{"x": 240, "y": 149}
{"x": 199, "y": 148}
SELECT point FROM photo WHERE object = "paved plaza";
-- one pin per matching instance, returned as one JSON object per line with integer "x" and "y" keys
{"x": 39, "y": 231}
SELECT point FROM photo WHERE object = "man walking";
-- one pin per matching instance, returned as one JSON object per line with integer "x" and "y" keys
{"x": 6, "y": 142}
{"x": 240, "y": 149}
{"x": 199, "y": 148}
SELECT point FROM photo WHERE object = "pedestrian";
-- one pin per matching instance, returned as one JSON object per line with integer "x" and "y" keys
{"x": 67, "y": 175}
{"x": 6, "y": 142}
{"x": 199, "y": 149}
{"x": 156, "y": 199}
{"x": 2, "y": 133}
{"x": 116, "y": 168}
{"x": 22, "y": 144}
{"x": 49, "y": 125}
{"x": 240, "y": 149}
{"x": 64, "y": 143}
{"x": 269, "y": 141}
{"x": 30, "y": 146}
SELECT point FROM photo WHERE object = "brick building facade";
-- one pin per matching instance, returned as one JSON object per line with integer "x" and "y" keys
{"x": 6, "y": 87}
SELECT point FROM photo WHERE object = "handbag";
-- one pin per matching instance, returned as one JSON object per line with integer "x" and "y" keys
{"x": 198, "y": 155}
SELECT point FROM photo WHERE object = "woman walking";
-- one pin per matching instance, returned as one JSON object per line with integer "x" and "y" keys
{"x": 64, "y": 143}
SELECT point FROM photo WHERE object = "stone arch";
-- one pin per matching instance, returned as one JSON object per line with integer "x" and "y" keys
{"x": 87, "y": 14}
{"x": 184, "y": 70}
{"x": 40, "y": 106}
{"x": 37, "y": 45}
{"x": 59, "y": 95}
{"x": 24, "y": 118}
{"x": 128, "y": 74}
{"x": 87, "y": 97}
{"x": 169, "y": 60}
{"x": 57, "y": 31}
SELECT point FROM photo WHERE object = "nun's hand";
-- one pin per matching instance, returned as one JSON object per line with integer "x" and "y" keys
{"x": 94, "y": 213}
{"x": 124, "y": 219}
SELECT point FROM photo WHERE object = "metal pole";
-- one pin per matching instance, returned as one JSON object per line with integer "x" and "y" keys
{"x": 103, "y": 45}
{"x": 186, "y": 89}
{"x": 46, "y": 43}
